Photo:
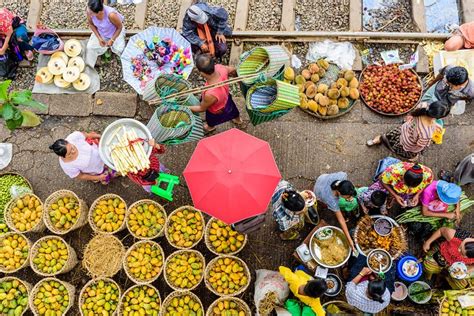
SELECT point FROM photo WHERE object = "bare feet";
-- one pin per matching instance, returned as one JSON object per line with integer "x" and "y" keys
{"x": 376, "y": 141}
{"x": 208, "y": 129}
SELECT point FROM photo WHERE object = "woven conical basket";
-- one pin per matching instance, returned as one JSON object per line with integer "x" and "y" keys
{"x": 81, "y": 220}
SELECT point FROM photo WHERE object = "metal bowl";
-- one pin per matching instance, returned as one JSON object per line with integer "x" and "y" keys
{"x": 337, "y": 285}
{"x": 379, "y": 253}
{"x": 383, "y": 220}
{"x": 141, "y": 130}
{"x": 424, "y": 285}
{"x": 316, "y": 252}
{"x": 374, "y": 217}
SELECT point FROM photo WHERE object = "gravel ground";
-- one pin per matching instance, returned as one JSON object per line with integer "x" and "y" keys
{"x": 25, "y": 78}
{"x": 19, "y": 7}
{"x": 394, "y": 16}
{"x": 111, "y": 77}
{"x": 158, "y": 9}
{"x": 229, "y": 5}
{"x": 317, "y": 15}
{"x": 264, "y": 15}
{"x": 128, "y": 12}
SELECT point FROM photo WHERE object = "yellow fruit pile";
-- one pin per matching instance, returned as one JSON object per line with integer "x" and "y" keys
{"x": 146, "y": 220}
{"x": 184, "y": 270}
{"x": 227, "y": 307}
{"x": 185, "y": 228}
{"x": 51, "y": 255}
{"x": 224, "y": 239}
{"x": 141, "y": 300}
{"x": 52, "y": 298}
{"x": 26, "y": 213}
{"x": 109, "y": 215}
{"x": 64, "y": 213}
{"x": 145, "y": 260}
{"x": 451, "y": 305}
{"x": 13, "y": 297}
{"x": 184, "y": 305}
{"x": 227, "y": 276}
{"x": 100, "y": 298}
{"x": 14, "y": 251}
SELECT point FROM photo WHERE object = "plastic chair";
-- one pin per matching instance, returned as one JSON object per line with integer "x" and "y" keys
{"x": 170, "y": 181}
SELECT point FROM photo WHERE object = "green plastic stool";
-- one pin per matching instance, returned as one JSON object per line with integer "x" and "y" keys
{"x": 170, "y": 180}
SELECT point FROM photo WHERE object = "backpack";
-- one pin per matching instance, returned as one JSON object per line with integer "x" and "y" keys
{"x": 250, "y": 224}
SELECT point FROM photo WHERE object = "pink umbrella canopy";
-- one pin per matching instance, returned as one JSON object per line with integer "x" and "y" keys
{"x": 232, "y": 176}
{"x": 6, "y": 18}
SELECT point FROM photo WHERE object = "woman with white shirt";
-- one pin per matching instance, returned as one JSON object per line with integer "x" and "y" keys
{"x": 79, "y": 157}
{"x": 367, "y": 292}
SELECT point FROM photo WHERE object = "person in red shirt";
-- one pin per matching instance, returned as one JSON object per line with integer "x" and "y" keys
{"x": 216, "y": 102}
{"x": 146, "y": 178}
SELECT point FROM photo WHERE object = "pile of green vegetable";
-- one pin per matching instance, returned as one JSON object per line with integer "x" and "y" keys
{"x": 13, "y": 297}
{"x": 7, "y": 181}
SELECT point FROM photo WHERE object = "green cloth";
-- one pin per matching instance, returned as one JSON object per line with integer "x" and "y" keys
{"x": 296, "y": 308}
{"x": 349, "y": 206}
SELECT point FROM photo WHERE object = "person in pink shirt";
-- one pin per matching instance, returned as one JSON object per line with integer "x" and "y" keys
{"x": 438, "y": 196}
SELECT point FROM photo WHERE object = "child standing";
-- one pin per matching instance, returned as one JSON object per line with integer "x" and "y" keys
{"x": 373, "y": 200}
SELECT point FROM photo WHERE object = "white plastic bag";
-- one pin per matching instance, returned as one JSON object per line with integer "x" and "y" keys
{"x": 270, "y": 281}
{"x": 342, "y": 54}
{"x": 458, "y": 108}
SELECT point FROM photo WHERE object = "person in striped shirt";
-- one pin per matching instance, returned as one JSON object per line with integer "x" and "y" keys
{"x": 411, "y": 138}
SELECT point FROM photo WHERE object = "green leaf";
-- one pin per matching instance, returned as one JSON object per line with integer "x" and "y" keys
{"x": 4, "y": 85}
{"x": 12, "y": 124}
{"x": 8, "y": 111}
{"x": 20, "y": 97}
{"x": 16, "y": 113}
{"x": 30, "y": 119}
{"x": 35, "y": 104}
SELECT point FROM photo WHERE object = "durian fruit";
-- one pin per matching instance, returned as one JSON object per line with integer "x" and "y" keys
{"x": 333, "y": 86}
{"x": 343, "y": 103}
{"x": 333, "y": 94}
{"x": 322, "y": 110}
{"x": 344, "y": 91}
{"x": 341, "y": 82}
{"x": 307, "y": 84}
{"x": 349, "y": 75}
{"x": 300, "y": 79}
{"x": 332, "y": 102}
{"x": 323, "y": 101}
{"x": 306, "y": 74}
{"x": 321, "y": 72}
{"x": 289, "y": 74}
{"x": 323, "y": 63}
{"x": 303, "y": 101}
{"x": 318, "y": 96}
{"x": 311, "y": 91}
{"x": 300, "y": 87}
{"x": 313, "y": 68}
{"x": 313, "y": 106}
{"x": 354, "y": 83}
{"x": 314, "y": 78}
{"x": 354, "y": 93}
{"x": 322, "y": 88}
{"x": 332, "y": 110}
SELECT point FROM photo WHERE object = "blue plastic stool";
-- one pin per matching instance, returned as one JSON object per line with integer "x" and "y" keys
{"x": 170, "y": 181}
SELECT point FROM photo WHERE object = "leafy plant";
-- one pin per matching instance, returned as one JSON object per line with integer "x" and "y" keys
{"x": 9, "y": 107}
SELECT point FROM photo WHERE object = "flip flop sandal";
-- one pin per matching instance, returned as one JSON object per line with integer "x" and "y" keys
{"x": 372, "y": 142}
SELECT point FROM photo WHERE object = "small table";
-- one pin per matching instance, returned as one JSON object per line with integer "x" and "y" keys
{"x": 310, "y": 265}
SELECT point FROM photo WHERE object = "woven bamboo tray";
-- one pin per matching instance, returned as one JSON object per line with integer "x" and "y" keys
{"x": 26, "y": 284}
{"x": 92, "y": 282}
{"x": 211, "y": 248}
{"x": 37, "y": 228}
{"x": 26, "y": 263}
{"x": 241, "y": 306}
{"x": 92, "y": 213}
{"x": 179, "y": 294}
{"x": 81, "y": 220}
{"x": 213, "y": 262}
{"x": 127, "y": 268}
{"x": 68, "y": 266}
{"x": 138, "y": 203}
{"x": 145, "y": 286}
{"x": 69, "y": 287}
{"x": 170, "y": 216}
{"x": 167, "y": 262}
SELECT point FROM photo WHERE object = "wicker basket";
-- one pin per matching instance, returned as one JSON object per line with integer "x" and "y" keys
{"x": 103, "y": 253}
{"x": 68, "y": 266}
{"x": 93, "y": 281}
{"x": 69, "y": 287}
{"x": 165, "y": 84}
{"x": 167, "y": 233}
{"x": 26, "y": 284}
{"x": 211, "y": 265}
{"x": 130, "y": 289}
{"x": 241, "y": 305}
{"x": 138, "y": 203}
{"x": 92, "y": 210}
{"x": 171, "y": 285}
{"x": 81, "y": 220}
{"x": 39, "y": 227}
{"x": 209, "y": 243}
{"x": 127, "y": 269}
{"x": 178, "y": 294}
{"x": 26, "y": 263}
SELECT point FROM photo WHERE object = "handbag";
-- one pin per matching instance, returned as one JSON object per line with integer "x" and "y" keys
{"x": 40, "y": 34}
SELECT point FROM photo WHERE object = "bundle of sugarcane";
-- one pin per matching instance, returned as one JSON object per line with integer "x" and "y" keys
{"x": 128, "y": 153}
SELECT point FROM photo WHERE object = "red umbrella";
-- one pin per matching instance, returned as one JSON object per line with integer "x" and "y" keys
{"x": 232, "y": 176}
{"x": 6, "y": 18}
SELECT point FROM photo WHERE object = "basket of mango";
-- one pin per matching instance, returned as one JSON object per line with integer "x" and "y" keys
{"x": 146, "y": 219}
{"x": 184, "y": 269}
{"x": 221, "y": 239}
{"x": 227, "y": 276}
{"x": 64, "y": 212}
{"x": 52, "y": 255}
{"x": 229, "y": 306}
{"x": 107, "y": 214}
{"x": 13, "y": 296}
{"x": 182, "y": 303}
{"x": 99, "y": 297}
{"x": 144, "y": 262}
{"x": 185, "y": 227}
{"x": 14, "y": 252}
{"x": 140, "y": 300}
{"x": 51, "y": 296}
{"x": 24, "y": 214}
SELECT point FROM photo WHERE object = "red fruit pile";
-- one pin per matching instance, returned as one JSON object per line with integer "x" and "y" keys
{"x": 389, "y": 89}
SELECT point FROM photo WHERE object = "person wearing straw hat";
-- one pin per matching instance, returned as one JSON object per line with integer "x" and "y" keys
{"x": 14, "y": 35}
{"x": 438, "y": 196}
{"x": 206, "y": 28}
{"x": 216, "y": 102}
